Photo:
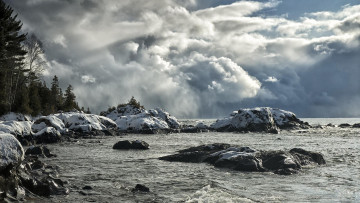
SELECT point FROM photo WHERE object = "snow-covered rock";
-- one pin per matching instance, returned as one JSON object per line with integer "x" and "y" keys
{"x": 47, "y": 135}
{"x": 48, "y": 121}
{"x": 11, "y": 152}
{"x": 255, "y": 120}
{"x": 261, "y": 119}
{"x": 16, "y": 127}
{"x": 73, "y": 121}
{"x": 131, "y": 118}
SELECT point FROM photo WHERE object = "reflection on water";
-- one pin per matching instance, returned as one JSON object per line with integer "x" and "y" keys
{"x": 113, "y": 173}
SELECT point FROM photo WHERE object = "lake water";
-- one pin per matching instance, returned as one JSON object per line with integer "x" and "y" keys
{"x": 113, "y": 173}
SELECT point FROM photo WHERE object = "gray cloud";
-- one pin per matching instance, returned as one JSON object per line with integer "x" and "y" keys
{"x": 199, "y": 58}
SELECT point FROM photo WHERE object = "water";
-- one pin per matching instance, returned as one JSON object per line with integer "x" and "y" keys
{"x": 113, "y": 173}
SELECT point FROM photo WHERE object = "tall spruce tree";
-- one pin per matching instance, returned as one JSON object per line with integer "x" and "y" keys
{"x": 11, "y": 56}
{"x": 70, "y": 100}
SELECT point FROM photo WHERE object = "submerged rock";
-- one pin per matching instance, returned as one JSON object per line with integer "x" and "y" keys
{"x": 126, "y": 144}
{"x": 247, "y": 159}
{"x": 140, "y": 188}
{"x": 262, "y": 119}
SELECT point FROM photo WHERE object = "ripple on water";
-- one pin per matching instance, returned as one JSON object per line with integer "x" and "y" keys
{"x": 113, "y": 173}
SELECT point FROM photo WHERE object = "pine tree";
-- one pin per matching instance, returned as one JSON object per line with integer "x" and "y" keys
{"x": 35, "y": 102}
{"x": 70, "y": 100}
{"x": 56, "y": 98}
{"x": 11, "y": 56}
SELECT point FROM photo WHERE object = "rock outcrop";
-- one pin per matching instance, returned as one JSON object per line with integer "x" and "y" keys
{"x": 135, "y": 119}
{"x": 262, "y": 119}
{"x": 247, "y": 159}
{"x": 20, "y": 174}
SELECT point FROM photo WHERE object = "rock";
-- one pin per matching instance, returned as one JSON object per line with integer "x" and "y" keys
{"x": 126, "y": 144}
{"x": 262, "y": 119}
{"x": 140, "y": 188}
{"x": 87, "y": 187}
{"x": 39, "y": 150}
{"x": 344, "y": 125}
{"x": 253, "y": 120}
{"x": 16, "y": 127}
{"x": 47, "y": 135}
{"x": 136, "y": 119}
{"x": 11, "y": 153}
{"x": 356, "y": 125}
{"x": 247, "y": 159}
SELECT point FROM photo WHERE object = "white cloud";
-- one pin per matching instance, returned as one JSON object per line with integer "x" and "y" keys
{"x": 193, "y": 63}
{"x": 271, "y": 79}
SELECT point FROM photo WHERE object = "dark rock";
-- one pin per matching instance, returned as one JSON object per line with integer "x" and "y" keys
{"x": 126, "y": 144}
{"x": 247, "y": 159}
{"x": 47, "y": 135}
{"x": 39, "y": 150}
{"x": 356, "y": 125}
{"x": 344, "y": 125}
{"x": 87, "y": 187}
{"x": 140, "y": 188}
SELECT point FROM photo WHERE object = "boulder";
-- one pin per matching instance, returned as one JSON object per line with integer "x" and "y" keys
{"x": 261, "y": 119}
{"x": 247, "y": 159}
{"x": 47, "y": 135}
{"x": 11, "y": 152}
{"x": 344, "y": 125}
{"x": 356, "y": 125}
{"x": 126, "y": 144}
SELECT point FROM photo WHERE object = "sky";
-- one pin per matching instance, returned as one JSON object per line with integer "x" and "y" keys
{"x": 203, "y": 58}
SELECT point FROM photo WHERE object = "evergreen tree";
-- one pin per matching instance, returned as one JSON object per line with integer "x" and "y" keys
{"x": 70, "y": 100}
{"x": 35, "y": 102}
{"x": 56, "y": 98}
{"x": 11, "y": 56}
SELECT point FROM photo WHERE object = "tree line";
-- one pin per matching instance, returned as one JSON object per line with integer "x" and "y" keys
{"x": 21, "y": 64}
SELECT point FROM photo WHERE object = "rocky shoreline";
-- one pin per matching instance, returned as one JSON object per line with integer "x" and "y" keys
{"x": 24, "y": 175}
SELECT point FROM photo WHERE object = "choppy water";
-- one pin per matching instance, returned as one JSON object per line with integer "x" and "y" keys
{"x": 113, "y": 173}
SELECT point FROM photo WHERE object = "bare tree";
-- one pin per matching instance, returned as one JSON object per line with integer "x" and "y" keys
{"x": 34, "y": 59}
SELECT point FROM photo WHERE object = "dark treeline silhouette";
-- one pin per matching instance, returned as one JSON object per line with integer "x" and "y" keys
{"x": 21, "y": 64}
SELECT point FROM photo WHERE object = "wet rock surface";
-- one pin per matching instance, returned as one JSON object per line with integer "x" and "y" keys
{"x": 246, "y": 159}
{"x": 126, "y": 144}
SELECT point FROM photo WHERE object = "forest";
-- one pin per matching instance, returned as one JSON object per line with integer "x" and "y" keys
{"x": 22, "y": 62}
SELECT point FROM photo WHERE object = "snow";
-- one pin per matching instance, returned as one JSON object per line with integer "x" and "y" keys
{"x": 133, "y": 118}
{"x": 281, "y": 117}
{"x": 85, "y": 122}
{"x": 127, "y": 110}
{"x": 48, "y": 121}
{"x": 11, "y": 151}
{"x": 48, "y": 130}
{"x": 16, "y": 127}
{"x": 140, "y": 121}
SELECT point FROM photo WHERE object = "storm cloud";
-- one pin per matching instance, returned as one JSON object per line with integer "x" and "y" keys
{"x": 200, "y": 58}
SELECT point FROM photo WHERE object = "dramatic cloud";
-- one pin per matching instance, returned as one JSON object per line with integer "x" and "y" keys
{"x": 199, "y": 58}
